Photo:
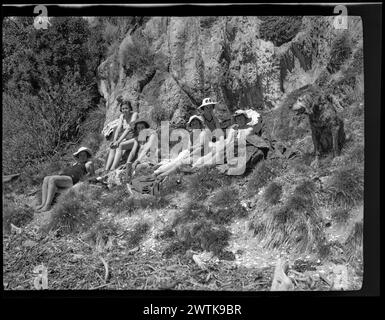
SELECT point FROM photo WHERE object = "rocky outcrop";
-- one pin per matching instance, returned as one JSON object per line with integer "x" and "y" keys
{"x": 220, "y": 57}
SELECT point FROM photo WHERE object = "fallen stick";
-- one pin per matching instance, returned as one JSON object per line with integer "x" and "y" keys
{"x": 106, "y": 269}
{"x": 101, "y": 286}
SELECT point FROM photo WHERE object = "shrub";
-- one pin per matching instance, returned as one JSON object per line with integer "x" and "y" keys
{"x": 279, "y": 30}
{"x": 137, "y": 55}
{"x": 340, "y": 52}
{"x": 346, "y": 186}
{"x": 17, "y": 215}
{"x": 273, "y": 193}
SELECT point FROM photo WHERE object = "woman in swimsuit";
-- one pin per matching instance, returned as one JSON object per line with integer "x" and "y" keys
{"x": 126, "y": 141}
{"x": 66, "y": 178}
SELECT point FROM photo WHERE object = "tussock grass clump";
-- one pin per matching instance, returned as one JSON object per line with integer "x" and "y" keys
{"x": 137, "y": 234}
{"x": 264, "y": 172}
{"x": 102, "y": 231}
{"x": 296, "y": 223}
{"x": 17, "y": 215}
{"x": 346, "y": 187}
{"x": 340, "y": 215}
{"x": 225, "y": 205}
{"x": 203, "y": 182}
{"x": 76, "y": 210}
{"x": 273, "y": 193}
{"x": 353, "y": 243}
{"x": 204, "y": 235}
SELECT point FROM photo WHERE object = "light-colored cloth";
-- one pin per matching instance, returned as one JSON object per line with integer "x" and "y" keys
{"x": 112, "y": 125}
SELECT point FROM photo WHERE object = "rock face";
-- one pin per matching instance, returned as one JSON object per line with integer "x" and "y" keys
{"x": 219, "y": 57}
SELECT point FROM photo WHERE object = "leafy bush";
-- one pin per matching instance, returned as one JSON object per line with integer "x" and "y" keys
{"x": 340, "y": 52}
{"x": 49, "y": 86}
{"x": 137, "y": 55}
{"x": 279, "y": 30}
{"x": 273, "y": 193}
{"x": 346, "y": 187}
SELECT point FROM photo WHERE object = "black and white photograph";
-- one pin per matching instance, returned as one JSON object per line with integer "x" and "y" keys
{"x": 183, "y": 153}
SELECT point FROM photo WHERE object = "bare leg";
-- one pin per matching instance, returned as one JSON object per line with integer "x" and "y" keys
{"x": 126, "y": 145}
{"x": 44, "y": 189}
{"x": 336, "y": 150}
{"x": 110, "y": 158}
{"x": 54, "y": 183}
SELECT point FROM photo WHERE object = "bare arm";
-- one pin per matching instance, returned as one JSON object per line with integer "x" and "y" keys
{"x": 90, "y": 168}
{"x": 146, "y": 147}
{"x": 118, "y": 129}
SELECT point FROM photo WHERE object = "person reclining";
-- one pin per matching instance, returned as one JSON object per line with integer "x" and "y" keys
{"x": 185, "y": 156}
{"x": 66, "y": 178}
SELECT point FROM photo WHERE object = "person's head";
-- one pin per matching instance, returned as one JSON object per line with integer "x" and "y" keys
{"x": 83, "y": 154}
{"x": 125, "y": 107}
{"x": 195, "y": 122}
{"x": 207, "y": 106}
{"x": 141, "y": 125}
{"x": 241, "y": 119}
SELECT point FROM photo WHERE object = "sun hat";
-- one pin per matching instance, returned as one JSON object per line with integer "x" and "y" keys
{"x": 142, "y": 120}
{"x": 199, "y": 118}
{"x": 206, "y": 102}
{"x": 249, "y": 113}
{"x": 82, "y": 149}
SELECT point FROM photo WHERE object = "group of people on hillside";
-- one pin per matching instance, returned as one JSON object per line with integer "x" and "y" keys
{"x": 141, "y": 160}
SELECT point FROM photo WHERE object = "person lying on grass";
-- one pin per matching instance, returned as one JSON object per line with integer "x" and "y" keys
{"x": 168, "y": 166}
{"x": 66, "y": 178}
{"x": 126, "y": 141}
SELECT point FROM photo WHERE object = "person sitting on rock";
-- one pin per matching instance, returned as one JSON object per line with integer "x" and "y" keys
{"x": 67, "y": 177}
{"x": 126, "y": 140}
{"x": 185, "y": 156}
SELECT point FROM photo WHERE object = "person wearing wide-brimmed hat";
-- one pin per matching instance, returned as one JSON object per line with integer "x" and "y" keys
{"x": 126, "y": 140}
{"x": 67, "y": 177}
{"x": 207, "y": 112}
